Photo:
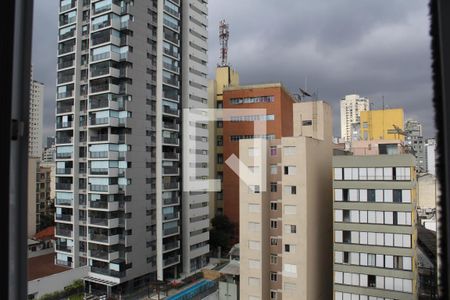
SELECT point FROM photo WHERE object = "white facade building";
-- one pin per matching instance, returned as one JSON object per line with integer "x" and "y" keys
{"x": 126, "y": 71}
{"x": 430, "y": 150}
{"x": 351, "y": 106}
{"x": 36, "y": 113}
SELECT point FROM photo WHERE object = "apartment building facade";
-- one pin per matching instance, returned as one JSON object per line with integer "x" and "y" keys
{"x": 126, "y": 72}
{"x": 225, "y": 77}
{"x": 374, "y": 227}
{"x": 285, "y": 230}
{"x": 414, "y": 138}
{"x": 351, "y": 107}
{"x": 382, "y": 124}
{"x": 35, "y": 118}
{"x": 278, "y": 106}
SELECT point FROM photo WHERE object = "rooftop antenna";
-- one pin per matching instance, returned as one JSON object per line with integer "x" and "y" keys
{"x": 224, "y": 35}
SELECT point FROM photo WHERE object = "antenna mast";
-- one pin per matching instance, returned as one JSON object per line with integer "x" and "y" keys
{"x": 224, "y": 35}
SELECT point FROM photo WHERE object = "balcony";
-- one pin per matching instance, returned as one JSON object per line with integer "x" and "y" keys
{"x": 172, "y": 11}
{"x": 108, "y": 272}
{"x": 68, "y": 6}
{"x": 103, "y": 222}
{"x": 64, "y": 248}
{"x": 104, "y": 254}
{"x": 170, "y": 111}
{"x": 64, "y": 186}
{"x": 171, "y": 141}
{"x": 99, "y": 122}
{"x": 171, "y": 186}
{"x": 103, "y": 103}
{"x": 64, "y": 171}
{"x": 104, "y": 239}
{"x": 66, "y": 94}
{"x": 108, "y": 189}
{"x": 66, "y": 49}
{"x": 111, "y": 172}
{"x": 64, "y": 263}
{"x": 64, "y": 140}
{"x": 104, "y": 205}
{"x": 100, "y": 88}
{"x": 63, "y": 232}
{"x": 64, "y": 125}
{"x": 171, "y": 246}
{"x": 171, "y": 53}
{"x": 106, "y": 55}
{"x": 171, "y": 126}
{"x": 63, "y": 217}
{"x": 105, "y": 72}
{"x": 66, "y": 64}
{"x": 170, "y": 201}
{"x": 171, "y": 231}
{"x": 171, "y": 217}
{"x": 171, "y": 171}
{"x": 111, "y": 138}
{"x": 171, "y": 155}
{"x": 63, "y": 202}
{"x": 111, "y": 155}
{"x": 171, "y": 261}
{"x": 64, "y": 155}
{"x": 65, "y": 78}
{"x": 171, "y": 67}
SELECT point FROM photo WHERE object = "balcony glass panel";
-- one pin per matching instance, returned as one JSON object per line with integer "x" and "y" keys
{"x": 170, "y": 49}
{"x": 65, "y": 91}
{"x": 171, "y": 22}
{"x": 66, "y": 47}
{"x": 67, "y": 32}
{"x": 171, "y": 8}
{"x": 66, "y": 4}
{"x": 68, "y": 18}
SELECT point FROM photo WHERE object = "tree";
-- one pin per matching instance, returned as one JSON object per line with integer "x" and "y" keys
{"x": 221, "y": 233}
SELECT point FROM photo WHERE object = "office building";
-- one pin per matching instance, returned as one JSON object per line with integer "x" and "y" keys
{"x": 414, "y": 138}
{"x": 277, "y": 111}
{"x": 35, "y": 119}
{"x": 351, "y": 108}
{"x": 383, "y": 124}
{"x": 225, "y": 77}
{"x": 126, "y": 71}
{"x": 285, "y": 230}
{"x": 430, "y": 150}
{"x": 374, "y": 227}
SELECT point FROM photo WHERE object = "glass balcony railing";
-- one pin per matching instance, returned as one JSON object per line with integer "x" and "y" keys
{"x": 64, "y": 248}
{"x": 64, "y": 171}
{"x": 108, "y": 272}
{"x": 65, "y": 94}
{"x": 64, "y": 186}
{"x": 63, "y": 217}
{"x": 63, "y": 232}
{"x": 169, "y": 231}
{"x": 170, "y": 185}
{"x": 171, "y": 260}
{"x": 61, "y": 125}
{"x": 66, "y": 202}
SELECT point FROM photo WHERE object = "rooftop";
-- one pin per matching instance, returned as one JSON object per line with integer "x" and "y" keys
{"x": 42, "y": 266}
{"x": 45, "y": 234}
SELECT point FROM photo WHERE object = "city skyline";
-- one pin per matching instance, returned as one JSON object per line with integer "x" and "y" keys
{"x": 399, "y": 70}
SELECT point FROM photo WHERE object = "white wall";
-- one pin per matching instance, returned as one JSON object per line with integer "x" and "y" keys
{"x": 55, "y": 282}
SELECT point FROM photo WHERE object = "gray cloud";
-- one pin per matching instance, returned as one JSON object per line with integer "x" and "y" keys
{"x": 374, "y": 48}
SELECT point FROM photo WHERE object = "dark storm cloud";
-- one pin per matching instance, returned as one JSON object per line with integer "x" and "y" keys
{"x": 373, "y": 48}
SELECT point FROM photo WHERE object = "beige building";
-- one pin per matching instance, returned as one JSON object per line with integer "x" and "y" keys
{"x": 428, "y": 191}
{"x": 374, "y": 227}
{"x": 285, "y": 220}
{"x": 351, "y": 108}
{"x": 225, "y": 77}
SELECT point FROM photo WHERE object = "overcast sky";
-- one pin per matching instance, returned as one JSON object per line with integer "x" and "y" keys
{"x": 368, "y": 47}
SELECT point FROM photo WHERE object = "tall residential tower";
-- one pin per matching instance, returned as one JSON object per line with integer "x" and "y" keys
{"x": 126, "y": 71}
{"x": 351, "y": 107}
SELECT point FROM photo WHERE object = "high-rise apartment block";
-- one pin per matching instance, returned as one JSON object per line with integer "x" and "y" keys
{"x": 382, "y": 124}
{"x": 351, "y": 107}
{"x": 285, "y": 230}
{"x": 45, "y": 195}
{"x": 35, "y": 119}
{"x": 126, "y": 71}
{"x": 414, "y": 138}
{"x": 374, "y": 227}
{"x": 430, "y": 150}
{"x": 225, "y": 77}
{"x": 247, "y": 103}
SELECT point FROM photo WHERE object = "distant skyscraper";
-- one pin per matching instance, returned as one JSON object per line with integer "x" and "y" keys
{"x": 351, "y": 107}
{"x": 126, "y": 71}
{"x": 375, "y": 227}
{"x": 415, "y": 140}
{"x": 35, "y": 118}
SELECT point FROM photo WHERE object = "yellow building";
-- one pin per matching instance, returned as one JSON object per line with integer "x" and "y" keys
{"x": 383, "y": 124}
{"x": 225, "y": 77}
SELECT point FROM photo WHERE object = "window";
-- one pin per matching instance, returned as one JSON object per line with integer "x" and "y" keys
{"x": 273, "y": 187}
{"x": 273, "y": 295}
{"x": 289, "y": 248}
{"x": 273, "y": 224}
{"x": 371, "y": 281}
{"x": 290, "y": 170}
{"x": 290, "y": 270}
{"x": 273, "y": 259}
{"x": 273, "y": 150}
{"x": 273, "y": 206}
{"x": 338, "y": 195}
{"x": 307, "y": 122}
{"x": 290, "y": 228}
{"x": 290, "y": 189}
{"x": 273, "y": 169}
{"x": 338, "y": 215}
{"x": 273, "y": 276}
{"x": 370, "y": 195}
{"x": 273, "y": 241}
{"x": 338, "y": 174}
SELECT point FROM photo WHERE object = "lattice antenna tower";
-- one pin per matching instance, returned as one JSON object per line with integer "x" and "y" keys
{"x": 224, "y": 35}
